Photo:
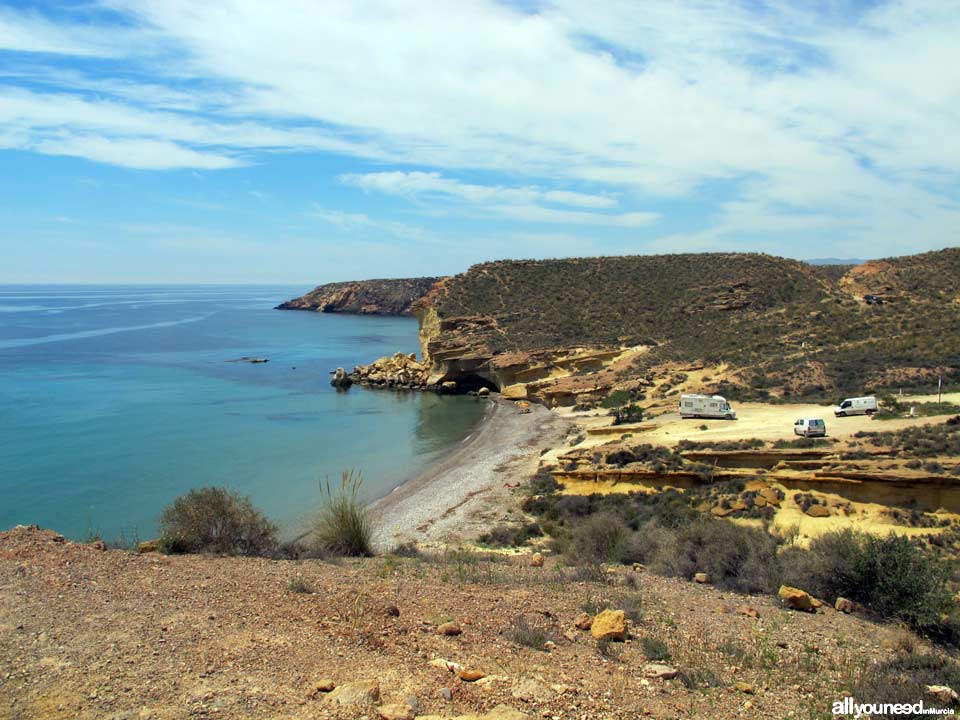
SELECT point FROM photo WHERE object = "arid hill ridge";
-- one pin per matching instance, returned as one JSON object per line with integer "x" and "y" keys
{"x": 363, "y": 297}
{"x": 778, "y": 327}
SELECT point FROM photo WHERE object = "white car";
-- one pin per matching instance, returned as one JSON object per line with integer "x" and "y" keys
{"x": 810, "y": 427}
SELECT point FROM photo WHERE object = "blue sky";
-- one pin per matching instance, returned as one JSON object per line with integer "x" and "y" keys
{"x": 243, "y": 141}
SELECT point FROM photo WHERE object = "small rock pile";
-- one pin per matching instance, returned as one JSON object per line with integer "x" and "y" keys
{"x": 397, "y": 371}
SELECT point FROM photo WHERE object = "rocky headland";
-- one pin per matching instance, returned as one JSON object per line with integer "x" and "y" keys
{"x": 364, "y": 297}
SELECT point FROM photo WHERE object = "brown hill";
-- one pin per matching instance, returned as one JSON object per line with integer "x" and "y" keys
{"x": 781, "y": 326}
{"x": 364, "y": 297}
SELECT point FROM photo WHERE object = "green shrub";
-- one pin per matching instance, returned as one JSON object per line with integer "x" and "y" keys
{"x": 522, "y": 632}
{"x": 893, "y": 576}
{"x": 904, "y": 679}
{"x": 299, "y": 585}
{"x": 627, "y": 414}
{"x": 216, "y": 520}
{"x": 342, "y": 526}
{"x": 510, "y": 535}
{"x": 598, "y": 539}
{"x": 615, "y": 399}
{"x": 654, "y": 649}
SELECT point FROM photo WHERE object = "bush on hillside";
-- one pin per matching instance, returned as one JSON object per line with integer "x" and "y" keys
{"x": 342, "y": 526}
{"x": 598, "y": 539}
{"x": 216, "y": 520}
{"x": 904, "y": 680}
{"x": 893, "y": 576}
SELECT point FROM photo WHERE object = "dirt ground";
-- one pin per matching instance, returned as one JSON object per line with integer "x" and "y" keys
{"x": 88, "y": 633}
{"x": 763, "y": 421}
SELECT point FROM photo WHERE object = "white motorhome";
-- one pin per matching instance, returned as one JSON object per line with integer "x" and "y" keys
{"x": 706, "y": 406}
{"x": 856, "y": 406}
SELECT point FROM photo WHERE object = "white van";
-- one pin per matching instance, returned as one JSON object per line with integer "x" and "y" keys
{"x": 810, "y": 427}
{"x": 706, "y": 406}
{"x": 856, "y": 406}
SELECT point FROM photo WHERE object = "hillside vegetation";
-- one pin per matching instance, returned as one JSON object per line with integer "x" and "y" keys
{"x": 364, "y": 297}
{"x": 785, "y": 327}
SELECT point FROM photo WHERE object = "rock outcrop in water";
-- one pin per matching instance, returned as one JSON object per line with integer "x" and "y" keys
{"x": 364, "y": 297}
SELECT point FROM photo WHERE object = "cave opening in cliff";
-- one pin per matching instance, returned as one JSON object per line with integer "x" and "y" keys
{"x": 472, "y": 383}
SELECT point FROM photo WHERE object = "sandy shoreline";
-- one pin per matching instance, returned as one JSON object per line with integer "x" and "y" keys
{"x": 457, "y": 496}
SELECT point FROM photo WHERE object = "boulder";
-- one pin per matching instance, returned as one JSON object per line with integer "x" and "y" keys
{"x": 147, "y": 546}
{"x": 659, "y": 671}
{"x": 609, "y": 625}
{"x": 533, "y": 690}
{"x": 471, "y": 675}
{"x": 943, "y": 693}
{"x": 845, "y": 606}
{"x": 448, "y": 386}
{"x": 483, "y": 392}
{"x": 797, "y": 599}
{"x": 536, "y": 560}
{"x": 397, "y": 711}
{"x": 701, "y": 577}
{"x": 769, "y": 495}
{"x": 583, "y": 621}
{"x": 324, "y": 686}
{"x": 341, "y": 379}
{"x": 748, "y": 611}
{"x": 450, "y": 629}
{"x": 818, "y": 511}
{"x": 746, "y": 687}
{"x": 364, "y": 692}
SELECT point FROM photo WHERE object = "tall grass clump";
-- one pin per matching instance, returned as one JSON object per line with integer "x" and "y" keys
{"x": 342, "y": 526}
{"x": 217, "y": 520}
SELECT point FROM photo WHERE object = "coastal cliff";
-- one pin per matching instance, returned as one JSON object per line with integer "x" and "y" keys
{"x": 754, "y": 326}
{"x": 749, "y": 326}
{"x": 363, "y": 297}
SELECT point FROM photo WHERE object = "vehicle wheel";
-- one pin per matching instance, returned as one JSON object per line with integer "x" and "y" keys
{"x": 841, "y": 414}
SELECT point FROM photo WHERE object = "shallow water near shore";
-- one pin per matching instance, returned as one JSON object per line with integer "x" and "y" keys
{"x": 115, "y": 400}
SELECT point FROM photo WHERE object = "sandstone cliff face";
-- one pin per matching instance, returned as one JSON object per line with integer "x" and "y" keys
{"x": 364, "y": 297}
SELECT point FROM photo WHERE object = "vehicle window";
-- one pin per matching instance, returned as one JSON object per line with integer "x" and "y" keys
{"x": 845, "y": 403}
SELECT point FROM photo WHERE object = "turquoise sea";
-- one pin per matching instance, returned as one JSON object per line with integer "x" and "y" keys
{"x": 116, "y": 399}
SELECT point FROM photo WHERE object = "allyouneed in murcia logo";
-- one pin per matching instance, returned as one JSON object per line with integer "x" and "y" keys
{"x": 847, "y": 706}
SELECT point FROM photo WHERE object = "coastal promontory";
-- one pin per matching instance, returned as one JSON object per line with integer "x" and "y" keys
{"x": 364, "y": 297}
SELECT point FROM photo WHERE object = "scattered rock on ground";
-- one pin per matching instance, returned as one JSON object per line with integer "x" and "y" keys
{"x": 609, "y": 625}
{"x": 659, "y": 671}
{"x": 364, "y": 692}
{"x": 701, "y": 577}
{"x": 583, "y": 621}
{"x": 450, "y": 629}
{"x": 532, "y": 690}
{"x": 845, "y": 606}
{"x": 395, "y": 712}
{"x": 536, "y": 560}
{"x": 796, "y": 599}
{"x": 943, "y": 693}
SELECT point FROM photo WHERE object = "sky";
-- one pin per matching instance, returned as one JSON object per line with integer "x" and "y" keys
{"x": 305, "y": 142}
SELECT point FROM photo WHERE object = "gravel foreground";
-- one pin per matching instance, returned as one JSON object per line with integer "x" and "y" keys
{"x": 90, "y": 633}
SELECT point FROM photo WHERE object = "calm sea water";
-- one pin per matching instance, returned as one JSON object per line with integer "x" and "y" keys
{"x": 115, "y": 400}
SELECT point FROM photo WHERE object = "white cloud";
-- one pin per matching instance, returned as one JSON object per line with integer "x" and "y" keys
{"x": 431, "y": 183}
{"x": 817, "y": 116}
{"x": 134, "y": 153}
{"x": 520, "y": 203}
